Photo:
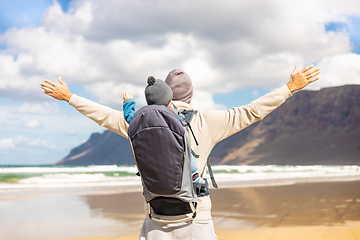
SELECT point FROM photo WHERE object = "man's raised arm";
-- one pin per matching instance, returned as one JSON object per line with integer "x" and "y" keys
{"x": 104, "y": 116}
{"x": 233, "y": 120}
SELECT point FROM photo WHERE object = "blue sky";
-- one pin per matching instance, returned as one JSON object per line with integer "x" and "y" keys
{"x": 20, "y": 13}
{"x": 103, "y": 48}
{"x": 350, "y": 27}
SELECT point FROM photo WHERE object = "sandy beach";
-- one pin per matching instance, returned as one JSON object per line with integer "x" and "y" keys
{"x": 323, "y": 211}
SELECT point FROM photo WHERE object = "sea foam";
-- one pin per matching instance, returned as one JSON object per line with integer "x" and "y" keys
{"x": 52, "y": 177}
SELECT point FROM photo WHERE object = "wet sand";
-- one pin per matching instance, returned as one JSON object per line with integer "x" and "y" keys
{"x": 308, "y": 204}
{"x": 301, "y": 211}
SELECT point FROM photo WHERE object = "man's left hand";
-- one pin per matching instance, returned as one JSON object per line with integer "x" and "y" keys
{"x": 299, "y": 80}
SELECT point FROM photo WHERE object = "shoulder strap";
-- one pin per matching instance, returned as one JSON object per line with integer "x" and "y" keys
{"x": 192, "y": 133}
{"x": 186, "y": 115}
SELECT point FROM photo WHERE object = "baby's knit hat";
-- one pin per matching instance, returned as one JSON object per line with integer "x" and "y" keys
{"x": 181, "y": 85}
{"x": 158, "y": 92}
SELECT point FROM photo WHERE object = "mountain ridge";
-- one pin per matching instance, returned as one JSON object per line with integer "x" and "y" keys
{"x": 312, "y": 127}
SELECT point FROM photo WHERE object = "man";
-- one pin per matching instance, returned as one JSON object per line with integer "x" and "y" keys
{"x": 209, "y": 127}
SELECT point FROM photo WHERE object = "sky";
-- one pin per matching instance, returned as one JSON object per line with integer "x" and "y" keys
{"x": 233, "y": 50}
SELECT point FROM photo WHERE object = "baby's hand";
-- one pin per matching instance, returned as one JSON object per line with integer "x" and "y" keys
{"x": 127, "y": 95}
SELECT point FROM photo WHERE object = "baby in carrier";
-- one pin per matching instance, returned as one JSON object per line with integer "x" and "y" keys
{"x": 157, "y": 93}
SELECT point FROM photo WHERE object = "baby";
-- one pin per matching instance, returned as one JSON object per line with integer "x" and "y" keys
{"x": 157, "y": 93}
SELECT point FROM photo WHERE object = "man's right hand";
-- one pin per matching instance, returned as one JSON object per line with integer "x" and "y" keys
{"x": 57, "y": 91}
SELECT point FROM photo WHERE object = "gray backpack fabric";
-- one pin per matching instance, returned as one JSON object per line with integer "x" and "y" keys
{"x": 162, "y": 153}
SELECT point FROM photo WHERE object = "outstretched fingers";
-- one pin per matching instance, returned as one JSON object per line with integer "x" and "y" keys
{"x": 49, "y": 82}
{"x": 48, "y": 93}
{"x": 313, "y": 79}
{"x": 46, "y": 87}
{"x": 313, "y": 73}
{"x": 304, "y": 77}
{"x": 305, "y": 69}
{"x": 55, "y": 90}
{"x": 295, "y": 70}
{"x": 61, "y": 81}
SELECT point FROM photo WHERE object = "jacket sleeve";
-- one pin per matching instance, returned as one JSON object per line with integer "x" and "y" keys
{"x": 104, "y": 116}
{"x": 223, "y": 124}
{"x": 129, "y": 110}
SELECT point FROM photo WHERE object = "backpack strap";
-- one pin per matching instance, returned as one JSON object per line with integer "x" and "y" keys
{"x": 187, "y": 115}
{"x": 210, "y": 173}
{"x": 194, "y": 154}
{"x": 196, "y": 142}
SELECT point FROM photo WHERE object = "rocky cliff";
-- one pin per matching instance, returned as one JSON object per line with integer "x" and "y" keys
{"x": 312, "y": 127}
{"x": 107, "y": 148}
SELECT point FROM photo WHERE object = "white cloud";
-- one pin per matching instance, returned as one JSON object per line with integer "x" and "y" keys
{"x": 72, "y": 132}
{"x": 339, "y": 69}
{"x": 6, "y": 144}
{"x": 33, "y": 123}
{"x": 115, "y": 46}
{"x": 14, "y": 143}
{"x": 37, "y": 108}
{"x": 112, "y": 93}
{"x": 204, "y": 101}
{"x": 107, "y": 48}
{"x": 78, "y": 18}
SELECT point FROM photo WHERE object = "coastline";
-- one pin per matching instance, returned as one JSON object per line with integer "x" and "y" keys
{"x": 257, "y": 212}
{"x": 222, "y": 182}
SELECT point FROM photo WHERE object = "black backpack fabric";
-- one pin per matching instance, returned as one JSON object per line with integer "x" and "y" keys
{"x": 162, "y": 153}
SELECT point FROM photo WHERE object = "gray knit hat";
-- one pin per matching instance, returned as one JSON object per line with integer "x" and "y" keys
{"x": 158, "y": 92}
{"x": 181, "y": 85}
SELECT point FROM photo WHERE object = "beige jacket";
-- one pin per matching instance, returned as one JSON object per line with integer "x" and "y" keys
{"x": 210, "y": 127}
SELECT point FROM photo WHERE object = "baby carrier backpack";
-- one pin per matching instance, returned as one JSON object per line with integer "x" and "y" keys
{"x": 161, "y": 148}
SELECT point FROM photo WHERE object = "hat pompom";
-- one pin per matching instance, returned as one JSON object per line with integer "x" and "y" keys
{"x": 151, "y": 80}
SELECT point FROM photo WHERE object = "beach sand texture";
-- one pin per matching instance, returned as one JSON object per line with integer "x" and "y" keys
{"x": 351, "y": 231}
{"x": 302, "y": 211}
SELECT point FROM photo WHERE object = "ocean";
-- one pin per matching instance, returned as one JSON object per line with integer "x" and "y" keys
{"x": 67, "y": 202}
{"x": 18, "y": 179}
